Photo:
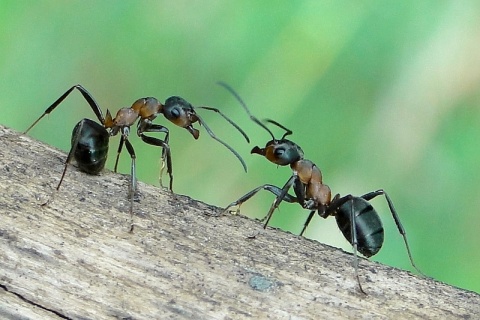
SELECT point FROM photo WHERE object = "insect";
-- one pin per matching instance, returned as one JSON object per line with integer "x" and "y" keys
{"x": 356, "y": 218}
{"x": 90, "y": 140}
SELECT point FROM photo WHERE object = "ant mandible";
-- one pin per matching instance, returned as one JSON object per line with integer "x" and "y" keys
{"x": 358, "y": 221}
{"x": 89, "y": 142}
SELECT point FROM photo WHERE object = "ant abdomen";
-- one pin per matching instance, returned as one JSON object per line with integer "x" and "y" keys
{"x": 91, "y": 147}
{"x": 369, "y": 228}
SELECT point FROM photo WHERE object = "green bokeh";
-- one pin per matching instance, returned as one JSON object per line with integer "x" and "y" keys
{"x": 379, "y": 94}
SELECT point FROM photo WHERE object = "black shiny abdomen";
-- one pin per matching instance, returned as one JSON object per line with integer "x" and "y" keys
{"x": 369, "y": 227}
{"x": 92, "y": 149}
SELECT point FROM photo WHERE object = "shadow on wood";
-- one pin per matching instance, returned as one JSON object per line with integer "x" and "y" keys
{"x": 74, "y": 258}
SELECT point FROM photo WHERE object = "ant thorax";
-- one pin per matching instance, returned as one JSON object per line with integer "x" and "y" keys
{"x": 125, "y": 117}
{"x": 147, "y": 108}
{"x": 316, "y": 193}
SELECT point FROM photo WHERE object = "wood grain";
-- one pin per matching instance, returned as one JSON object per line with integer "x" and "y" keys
{"x": 75, "y": 259}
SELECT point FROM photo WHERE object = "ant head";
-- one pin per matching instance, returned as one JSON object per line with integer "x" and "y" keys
{"x": 181, "y": 113}
{"x": 279, "y": 151}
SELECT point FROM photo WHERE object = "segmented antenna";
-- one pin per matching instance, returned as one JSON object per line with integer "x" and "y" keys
{"x": 252, "y": 117}
{"x": 288, "y": 131}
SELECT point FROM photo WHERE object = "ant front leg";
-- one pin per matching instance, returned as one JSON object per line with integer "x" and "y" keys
{"x": 273, "y": 189}
{"x": 396, "y": 218}
{"x": 147, "y": 126}
{"x": 279, "y": 198}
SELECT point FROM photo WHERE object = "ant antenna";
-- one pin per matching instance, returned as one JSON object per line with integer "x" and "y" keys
{"x": 210, "y": 132}
{"x": 252, "y": 117}
{"x": 288, "y": 131}
{"x": 226, "y": 118}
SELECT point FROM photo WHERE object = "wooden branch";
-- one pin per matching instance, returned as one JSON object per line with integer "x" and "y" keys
{"x": 75, "y": 259}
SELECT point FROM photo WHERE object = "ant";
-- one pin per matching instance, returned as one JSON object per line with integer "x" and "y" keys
{"x": 89, "y": 142}
{"x": 356, "y": 218}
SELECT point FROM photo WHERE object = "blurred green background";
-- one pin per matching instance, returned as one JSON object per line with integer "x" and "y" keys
{"x": 379, "y": 94}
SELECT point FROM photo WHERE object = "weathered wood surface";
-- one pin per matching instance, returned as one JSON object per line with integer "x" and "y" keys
{"x": 74, "y": 258}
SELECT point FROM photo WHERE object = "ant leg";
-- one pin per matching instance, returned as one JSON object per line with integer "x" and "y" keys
{"x": 133, "y": 178}
{"x": 279, "y": 199}
{"x": 75, "y": 141}
{"x": 396, "y": 218}
{"x": 336, "y": 203}
{"x": 120, "y": 147}
{"x": 88, "y": 97}
{"x": 299, "y": 189}
{"x": 353, "y": 230}
{"x": 166, "y": 151}
{"x": 273, "y": 189}
{"x": 145, "y": 125}
{"x": 84, "y": 133}
{"x": 165, "y": 157}
{"x": 307, "y": 222}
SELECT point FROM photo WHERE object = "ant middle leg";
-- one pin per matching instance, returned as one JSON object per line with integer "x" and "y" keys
{"x": 133, "y": 176}
{"x": 119, "y": 151}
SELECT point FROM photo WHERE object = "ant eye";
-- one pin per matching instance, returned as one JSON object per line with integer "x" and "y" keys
{"x": 175, "y": 113}
{"x": 279, "y": 152}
